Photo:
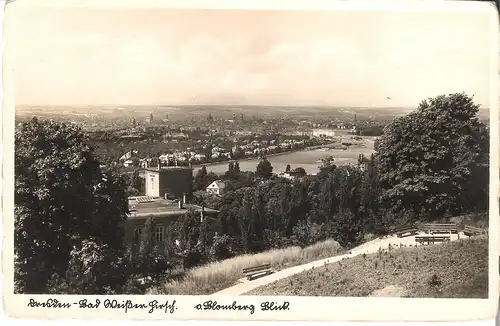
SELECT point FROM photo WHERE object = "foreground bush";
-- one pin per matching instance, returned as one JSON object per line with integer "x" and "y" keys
{"x": 220, "y": 275}
{"x": 94, "y": 268}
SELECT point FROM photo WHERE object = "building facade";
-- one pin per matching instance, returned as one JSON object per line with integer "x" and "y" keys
{"x": 169, "y": 182}
{"x": 165, "y": 212}
{"x": 217, "y": 187}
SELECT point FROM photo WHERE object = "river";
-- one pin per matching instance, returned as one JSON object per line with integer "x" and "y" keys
{"x": 309, "y": 159}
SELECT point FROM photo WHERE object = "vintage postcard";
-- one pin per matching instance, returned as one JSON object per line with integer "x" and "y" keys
{"x": 244, "y": 160}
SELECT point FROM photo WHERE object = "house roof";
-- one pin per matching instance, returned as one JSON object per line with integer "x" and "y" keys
{"x": 217, "y": 183}
{"x": 158, "y": 207}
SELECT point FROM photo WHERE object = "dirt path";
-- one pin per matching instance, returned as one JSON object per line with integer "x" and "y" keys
{"x": 369, "y": 247}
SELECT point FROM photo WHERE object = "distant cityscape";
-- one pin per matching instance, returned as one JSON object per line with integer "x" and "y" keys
{"x": 200, "y": 138}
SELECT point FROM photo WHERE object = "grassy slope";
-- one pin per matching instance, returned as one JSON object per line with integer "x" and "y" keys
{"x": 220, "y": 275}
{"x": 460, "y": 266}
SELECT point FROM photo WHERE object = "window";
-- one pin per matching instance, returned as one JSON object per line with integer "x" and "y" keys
{"x": 159, "y": 234}
{"x": 137, "y": 235}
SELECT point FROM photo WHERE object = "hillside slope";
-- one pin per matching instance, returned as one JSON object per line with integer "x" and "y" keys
{"x": 217, "y": 276}
{"x": 457, "y": 269}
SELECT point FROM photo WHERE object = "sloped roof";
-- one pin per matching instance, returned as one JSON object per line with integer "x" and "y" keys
{"x": 217, "y": 183}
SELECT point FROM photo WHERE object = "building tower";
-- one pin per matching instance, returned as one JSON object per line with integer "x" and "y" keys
{"x": 169, "y": 181}
{"x": 151, "y": 117}
{"x": 134, "y": 124}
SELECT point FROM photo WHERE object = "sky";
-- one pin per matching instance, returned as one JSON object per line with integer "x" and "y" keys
{"x": 81, "y": 56}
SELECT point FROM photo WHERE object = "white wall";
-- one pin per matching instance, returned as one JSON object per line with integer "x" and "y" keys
{"x": 152, "y": 184}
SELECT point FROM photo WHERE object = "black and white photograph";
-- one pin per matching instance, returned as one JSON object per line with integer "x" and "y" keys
{"x": 252, "y": 152}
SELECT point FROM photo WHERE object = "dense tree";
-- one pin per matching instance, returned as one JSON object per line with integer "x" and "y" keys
{"x": 61, "y": 198}
{"x": 151, "y": 261}
{"x": 264, "y": 169}
{"x": 346, "y": 228}
{"x": 94, "y": 268}
{"x": 207, "y": 199}
{"x": 300, "y": 206}
{"x": 233, "y": 171}
{"x": 190, "y": 230}
{"x": 236, "y": 167}
{"x": 201, "y": 179}
{"x": 137, "y": 182}
{"x": 327, "y": 166}
{"x": 432, "y": 159}
{"x": 205, "y": 237}
{"x": 246, "y": 222}
{"x": 221, "y": 247}
{"x": 370, "y": 198}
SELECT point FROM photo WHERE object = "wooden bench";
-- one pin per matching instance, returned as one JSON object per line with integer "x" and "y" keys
{"x": 252, "y": 272}
{"x": 432, "y": 239}
{"x": 471, "y": 230}
{"x": 406, "y": 231}
{"x": 440, "y": 228}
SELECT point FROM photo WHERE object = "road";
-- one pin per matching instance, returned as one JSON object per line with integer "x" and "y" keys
{"x": 373, "y": 246}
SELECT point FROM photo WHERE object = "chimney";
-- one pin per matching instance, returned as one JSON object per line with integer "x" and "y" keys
{"x": 181, "y": 205}
{"x": 165, "y": 196}
{"x": 202, "y": 214}
{"x": 184, "y": 198}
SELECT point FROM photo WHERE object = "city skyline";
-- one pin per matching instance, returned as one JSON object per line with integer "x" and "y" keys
{"x": 183, "y": 57}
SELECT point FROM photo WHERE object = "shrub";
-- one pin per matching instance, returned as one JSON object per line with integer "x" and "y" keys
{"x": 193, "y": 258}
{"x": 272, "y": 239}
{"x": 58, "y": 285}
{"x": 222, "y": 247}
{"x": 134, "y": 286}
{"x": 93, "y": 268}
{"x": 302, "y": 233}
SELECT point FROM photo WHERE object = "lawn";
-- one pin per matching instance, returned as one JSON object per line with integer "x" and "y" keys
{"x": 457, "y": 269}
{"x": 217, "y": 276}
